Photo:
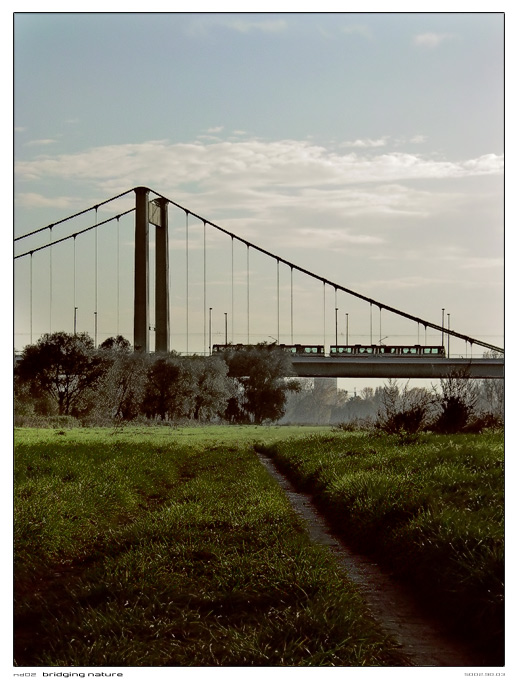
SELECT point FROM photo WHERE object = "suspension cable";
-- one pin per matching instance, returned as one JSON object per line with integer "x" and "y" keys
{"x": 232, "y": 290}
{"x": 204, "y": 290}
{"x": 291, "y": 301}
{"x": 30, "y": 314}
{"x": 118, "y": 275}
{"x": 73, "y": 216}
{"x": 187, "y": 281}
{"x": 278, "y": 308}
{"x": 75, "y": 282}
{"x": 67, "y": 238}
{"x": 391, "y": 309}
{"x": 50, "y": 281}
{"x": 248, "y": 294}
{"x": 96, "y": 277}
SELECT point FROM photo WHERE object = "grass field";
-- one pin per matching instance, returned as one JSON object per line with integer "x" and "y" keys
{"x": 162, "y": 547}
{"x": 432, "y": 511}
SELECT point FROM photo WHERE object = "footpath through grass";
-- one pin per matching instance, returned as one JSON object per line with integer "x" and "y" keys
{"x": 432, "y": 511}
{"x": 164, "y": 548}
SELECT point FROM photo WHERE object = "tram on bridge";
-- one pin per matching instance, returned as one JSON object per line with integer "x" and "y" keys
{"x": 344, "y": 351}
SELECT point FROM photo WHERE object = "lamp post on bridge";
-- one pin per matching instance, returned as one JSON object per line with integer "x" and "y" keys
{"x": 336, "y": 326}
{"x": 347, "y": 329}
{"x": 75, "y": 320}
{"x": 226, "y": 329}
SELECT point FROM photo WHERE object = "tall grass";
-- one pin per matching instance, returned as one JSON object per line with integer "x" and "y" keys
{"x": 162, "y": 549}
{"x": 431, "y": 511}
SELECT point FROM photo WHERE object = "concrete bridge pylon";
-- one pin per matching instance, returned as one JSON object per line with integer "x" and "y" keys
{"x": 151, "y": 212}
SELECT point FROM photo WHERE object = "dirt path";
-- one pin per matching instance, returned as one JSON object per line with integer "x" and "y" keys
{"x": 398, "y": 615}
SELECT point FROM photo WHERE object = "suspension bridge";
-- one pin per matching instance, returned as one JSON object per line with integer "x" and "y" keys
{"x": 101, "y": 271}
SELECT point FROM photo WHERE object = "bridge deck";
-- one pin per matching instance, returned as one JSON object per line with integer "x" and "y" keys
{"x": 397, "y": 367}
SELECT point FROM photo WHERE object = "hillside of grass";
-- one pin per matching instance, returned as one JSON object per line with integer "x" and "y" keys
{"x": 160, "y": 547}
{"x": 430, "y": 510}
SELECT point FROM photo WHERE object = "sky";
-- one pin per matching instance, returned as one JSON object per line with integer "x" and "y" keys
{"x": 367, "y": 148}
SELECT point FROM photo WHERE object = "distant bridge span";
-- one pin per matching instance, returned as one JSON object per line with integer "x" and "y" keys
{"x": 398, "y": 367}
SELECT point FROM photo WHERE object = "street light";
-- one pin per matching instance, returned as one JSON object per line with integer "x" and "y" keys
{"x": 336, "y": 326}
{"x": 448, "y": 335}
{"x": 347, "y": 329}
{"x": 95, "y": 329}
{"x": 442, "y": 329}
{"x": 226, "y": 328}
{"x": 75, "y": 320}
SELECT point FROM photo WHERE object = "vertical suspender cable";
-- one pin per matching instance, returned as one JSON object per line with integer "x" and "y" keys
{"x": 204, "y": 289}
{"x": 75, "y": 282}
{"x": 96, "y": 276}
{"x": 380, "y": 325}
{"x": 50, "y": 282}
{"x": 248, "y": 294}
{"x": 291, "y": 303}
{"x": 232, "y": 293}
{"x": 30, "y": 313}
{"x": 278, "y": 308}
{"x": 118, "y": 276}
{"x": 187, "y": 282}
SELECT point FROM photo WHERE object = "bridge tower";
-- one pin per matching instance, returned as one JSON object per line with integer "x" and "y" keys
{"x": 151, "y": 212}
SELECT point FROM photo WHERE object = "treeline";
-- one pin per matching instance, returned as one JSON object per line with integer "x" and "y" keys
{"x": 454, "y": 404}
{"x": 65, "y": 375}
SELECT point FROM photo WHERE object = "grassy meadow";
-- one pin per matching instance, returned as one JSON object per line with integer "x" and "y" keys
{"x": 173, "y": 547}
{"x": 431, "y": 510}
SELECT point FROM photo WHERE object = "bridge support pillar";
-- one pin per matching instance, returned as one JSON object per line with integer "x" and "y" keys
{"x": 161, "y": 277}
{"x": 141, "y": 291}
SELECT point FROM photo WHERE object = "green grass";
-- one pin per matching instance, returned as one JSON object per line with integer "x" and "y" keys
{"x": 160, "y": 547}
{"x": 431, "y": 511}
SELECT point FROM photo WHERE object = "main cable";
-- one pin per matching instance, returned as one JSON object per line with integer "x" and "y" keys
{"x": 381, "y": 305}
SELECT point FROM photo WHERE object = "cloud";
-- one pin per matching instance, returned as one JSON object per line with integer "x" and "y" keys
{"x": 267, "y": 26}
{"x": 357, "y": 29}
{"x": 431, "y": 40}
{"x": 203, "y": 24}
{"x": 34, "y": 199}
{"x": 365, "y": 143}
{"x": 257, "y": 188}
{"x": 246, "y": 163}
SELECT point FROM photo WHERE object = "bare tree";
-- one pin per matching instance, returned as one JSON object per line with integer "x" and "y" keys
{"x": 457, "y": 401}
{"x": 402, "y": 409}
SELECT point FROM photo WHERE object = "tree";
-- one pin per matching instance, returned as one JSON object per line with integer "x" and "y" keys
{"x": 262, "y": 383}
{"x": 457, "y": 401}
{"x": 403, "y": 410}
{"x": 161, "y": 396}
{"x": 62, "y": 366}
{"x": 212, "y": 388}
{"x": 121, "y": 391}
